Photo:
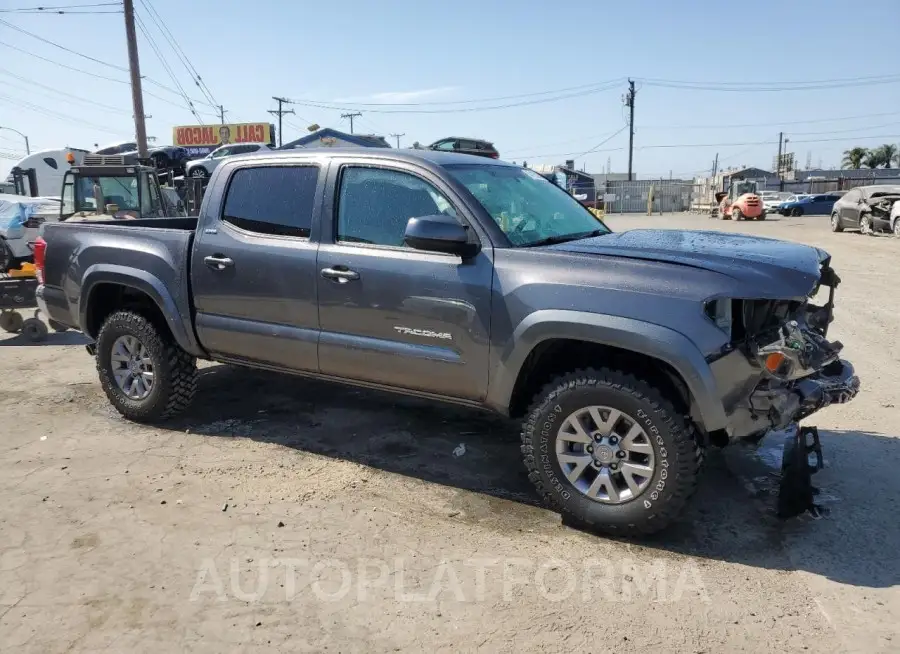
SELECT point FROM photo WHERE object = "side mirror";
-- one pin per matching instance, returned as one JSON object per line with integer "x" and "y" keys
{"x": 439, "y": 234}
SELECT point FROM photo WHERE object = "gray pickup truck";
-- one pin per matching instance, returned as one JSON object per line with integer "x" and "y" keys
{"x": 472, "y": 281}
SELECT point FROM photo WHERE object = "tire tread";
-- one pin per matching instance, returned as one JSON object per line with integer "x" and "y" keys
{"x": 689, "y": 456}
{"x": 181, "y": 366}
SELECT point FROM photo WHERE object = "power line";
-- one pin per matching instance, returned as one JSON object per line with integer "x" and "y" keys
{"x": 837, "y": 83}
{"x": 614, "y": 82}
{"x": 348, "y": 107}
{"x": 62, "y": 47}
{"x": 38, "y": 12}
{"x": 89, "y": 58}
{"x": 69, "y": 96}
{"x": 603, "y": 142}
{"x": 710, "y": 145}
{"x": 179, "y": 52}
{"x": 165, "y": 65}
{"x": 52, "y": 8}
{"x": 56, "y": 114}
{"x": 90, "y": 74}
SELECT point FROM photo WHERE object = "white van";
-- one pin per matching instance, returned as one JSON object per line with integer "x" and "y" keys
{"x": 49, "y": 167}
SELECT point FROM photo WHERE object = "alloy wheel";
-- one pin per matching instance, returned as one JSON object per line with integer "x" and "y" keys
{"x": 132, "y": 367}
{"x": 605, "y": 454}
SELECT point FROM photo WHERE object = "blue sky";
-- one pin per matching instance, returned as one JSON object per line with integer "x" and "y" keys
{"x": 401, "y": 51}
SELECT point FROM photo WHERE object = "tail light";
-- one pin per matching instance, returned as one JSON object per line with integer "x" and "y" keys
{"x": 495, "y": 155}
{"x": 40, "y": 253}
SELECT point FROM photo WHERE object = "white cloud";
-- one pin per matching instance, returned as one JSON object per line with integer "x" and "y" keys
{"x": 399, "y": 97}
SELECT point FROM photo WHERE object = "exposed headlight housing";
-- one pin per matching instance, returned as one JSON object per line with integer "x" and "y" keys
{"x": 719, "y": 311}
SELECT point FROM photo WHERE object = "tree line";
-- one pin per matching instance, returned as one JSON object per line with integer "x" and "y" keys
{"x": 880, "y": 157}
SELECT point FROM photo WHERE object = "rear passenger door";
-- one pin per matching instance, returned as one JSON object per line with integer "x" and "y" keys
{"x": 254, "y": 267}
{"x": 392, "y": 315}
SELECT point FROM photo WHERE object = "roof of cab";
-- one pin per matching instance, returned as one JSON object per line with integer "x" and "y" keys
{"x": 433, "y": 157}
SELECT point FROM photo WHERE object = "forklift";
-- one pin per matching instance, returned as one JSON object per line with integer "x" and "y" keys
{"x": 115, "y": 187}
{"x": 102, "y": 188}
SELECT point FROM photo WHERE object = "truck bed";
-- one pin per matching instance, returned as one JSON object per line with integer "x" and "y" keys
{"x": 150, "y": 255}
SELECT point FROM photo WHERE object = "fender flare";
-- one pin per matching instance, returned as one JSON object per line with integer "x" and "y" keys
{"x": 142, "y": 281}
{"x": 662, "y": 343}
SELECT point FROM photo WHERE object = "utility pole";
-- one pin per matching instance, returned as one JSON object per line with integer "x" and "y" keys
{"x": 397, "y": 136}
{"x": 715, "y": 166}
{"x": 351, "y": 116}
{"x": 221, "y": 114}
{"x": 280, "y": 112}
{"x": 778, "y": 160}
{"x": 137, "y": 96}
{"x": 629, "y": 102}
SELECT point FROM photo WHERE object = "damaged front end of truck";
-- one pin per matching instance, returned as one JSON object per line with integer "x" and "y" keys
{"x": 778, "y": 368}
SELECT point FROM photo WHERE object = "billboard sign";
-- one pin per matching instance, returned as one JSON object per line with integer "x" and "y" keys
{"x": 200, "y": 140}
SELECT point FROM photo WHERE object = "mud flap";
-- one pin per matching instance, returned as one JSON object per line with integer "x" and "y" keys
{"x": 796, "y": 492}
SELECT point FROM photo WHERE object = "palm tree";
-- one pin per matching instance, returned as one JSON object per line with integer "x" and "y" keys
{"x": 888, "y": 153}
{"x": 853, "y": 158}
{"x": 872, "y": 159}
{"x": 897, "y": 158}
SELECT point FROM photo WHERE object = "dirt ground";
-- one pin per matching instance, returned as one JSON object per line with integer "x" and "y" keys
{"x": 290, "y": 516}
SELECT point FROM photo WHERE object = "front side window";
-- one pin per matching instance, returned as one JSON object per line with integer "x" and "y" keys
{"x": 529, "y": 209}
{"x": 218, "y": 154}
{"x": 446, "y": 145}
{"x": 275, "y": 200}
{"x": 375, "y": 205}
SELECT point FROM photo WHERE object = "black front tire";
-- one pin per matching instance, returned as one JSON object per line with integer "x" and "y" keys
{"x": 675, "y": 445}
{"x": 174, "y": 370}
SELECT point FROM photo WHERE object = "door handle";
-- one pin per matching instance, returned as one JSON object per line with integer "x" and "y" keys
{"x": 340, "y": 274}
{"x": 218, "y": 262}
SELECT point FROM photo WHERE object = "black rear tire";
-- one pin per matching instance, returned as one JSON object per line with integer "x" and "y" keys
{"x": 796, "y": 212}
{"x": 836, "y": 225}
{"x": 676, "y": 450}
{"x": 35, "y": 330}
{"x": 174, "y": 370}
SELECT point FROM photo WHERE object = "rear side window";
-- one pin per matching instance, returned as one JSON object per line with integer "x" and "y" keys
{"x": 275, "y": 200}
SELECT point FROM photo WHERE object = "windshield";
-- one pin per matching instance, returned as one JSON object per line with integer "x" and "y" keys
{"x": 528, "y": 208}
{"x": 121, "y": 191}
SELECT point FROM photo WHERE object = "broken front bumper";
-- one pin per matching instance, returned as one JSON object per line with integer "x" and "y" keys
{"x": 775, "y": 405}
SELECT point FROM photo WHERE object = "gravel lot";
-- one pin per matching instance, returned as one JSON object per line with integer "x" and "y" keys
{"x": 286, "y": 515}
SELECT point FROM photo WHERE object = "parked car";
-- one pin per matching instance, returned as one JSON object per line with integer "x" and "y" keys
{"x": 471, "y": 281}
{"x": 204, "y": 167}
{"x": 466, "y": 146}
{"x": 809, "y": 205}
{"x": 164, "y": 157}
{"x": 773, "y": 199}
{"x": 869, "y": 209}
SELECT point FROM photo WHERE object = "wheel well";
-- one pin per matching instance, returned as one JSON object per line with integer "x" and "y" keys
{"x": 556, "y": 357}
{"x": 107, "y": 298}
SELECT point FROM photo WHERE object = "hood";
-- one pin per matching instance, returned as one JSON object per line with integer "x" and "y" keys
{"x": 777, "y": 268}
